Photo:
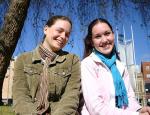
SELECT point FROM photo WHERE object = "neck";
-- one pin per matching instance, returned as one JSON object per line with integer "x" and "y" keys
{"x": 44, "y": 52}
{"x": 46, "y": 46}
{"x": 105, "y": 55}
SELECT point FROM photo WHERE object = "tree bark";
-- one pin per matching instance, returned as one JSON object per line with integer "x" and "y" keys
{"x": 10, "y": 33}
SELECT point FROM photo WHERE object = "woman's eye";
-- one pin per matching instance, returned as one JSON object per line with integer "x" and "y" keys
{"x": 59, "y": 30}
{"x": 98, "y": 37}
{"x": 107, "y": 33}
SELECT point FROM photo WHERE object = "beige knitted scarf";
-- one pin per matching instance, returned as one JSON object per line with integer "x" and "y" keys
{"x": 47, "y": 56}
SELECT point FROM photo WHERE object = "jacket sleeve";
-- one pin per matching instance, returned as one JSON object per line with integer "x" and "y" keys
{"x": 95, "y": 96}
{"x": 22, "y": 101}
{"x": 70, "y": 99}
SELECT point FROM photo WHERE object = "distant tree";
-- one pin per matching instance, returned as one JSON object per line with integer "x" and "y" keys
{"x": 10, "y": 33}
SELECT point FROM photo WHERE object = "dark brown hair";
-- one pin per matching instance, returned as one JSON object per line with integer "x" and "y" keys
{"x": 88, "y": 39}
{"x": 53, "y": 19}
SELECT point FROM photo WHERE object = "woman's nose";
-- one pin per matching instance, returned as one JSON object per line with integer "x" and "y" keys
{"x": 104, "y": 39}
{"x": 63, "y": 35}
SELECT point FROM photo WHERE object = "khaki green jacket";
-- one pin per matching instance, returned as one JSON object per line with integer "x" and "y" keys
{"x": 64, "y": 83}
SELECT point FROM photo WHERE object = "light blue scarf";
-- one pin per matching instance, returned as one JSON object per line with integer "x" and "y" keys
{"x": 120, "y": 90}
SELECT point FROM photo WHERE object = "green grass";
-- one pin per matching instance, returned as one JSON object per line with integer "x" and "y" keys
{"x": 6, "y": 110}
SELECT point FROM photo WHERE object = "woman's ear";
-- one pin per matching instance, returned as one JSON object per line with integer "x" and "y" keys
{"x": 45, "y": 29}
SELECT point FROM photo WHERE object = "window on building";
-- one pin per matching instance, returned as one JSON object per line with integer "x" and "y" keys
{"x": 147, "y": 68}
{"x": 148, "y": 76}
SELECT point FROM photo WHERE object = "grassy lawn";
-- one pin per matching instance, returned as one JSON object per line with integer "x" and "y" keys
{"x": 6, "y": 110}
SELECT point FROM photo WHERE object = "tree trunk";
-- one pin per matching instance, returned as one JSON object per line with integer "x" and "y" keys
{"x": 10, "y": 33}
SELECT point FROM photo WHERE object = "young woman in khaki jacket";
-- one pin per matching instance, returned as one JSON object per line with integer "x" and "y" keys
{"x": 47, "y": 79}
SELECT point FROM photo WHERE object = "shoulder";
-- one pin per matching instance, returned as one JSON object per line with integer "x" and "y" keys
{"x": 22, "y": 59}
{"x": 69, "y": 56}
{"x": 24, "y": 55}
{"x": 90, "y": 60}
{"x": 88, "y": 63}
{"x": 25, "y": 58}
{"x": 87, "y": 59}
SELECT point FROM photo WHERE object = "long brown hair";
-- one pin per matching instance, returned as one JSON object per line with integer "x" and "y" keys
{"x": 88, "y": 39}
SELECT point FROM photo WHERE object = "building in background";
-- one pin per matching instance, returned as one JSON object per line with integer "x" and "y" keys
{"x": 145, "y": 68}
{"x": 126, "y": 52}
{"x": 140, "y": 89}
{"x": 7, "y": 84}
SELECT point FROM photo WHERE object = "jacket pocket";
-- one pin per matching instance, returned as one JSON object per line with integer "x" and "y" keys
{"x": 31, "y": 70}
{"x": 63, "y": 72}
{"x": 33, "y": 75}
{"x": 61, "y": 78}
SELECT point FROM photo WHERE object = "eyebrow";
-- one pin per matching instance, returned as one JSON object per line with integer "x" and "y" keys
{"x": 63, "y": 29}
{"x": 103, "y": 32}
{"x": 97, "y": 34}
{"x": 60, "y": 28}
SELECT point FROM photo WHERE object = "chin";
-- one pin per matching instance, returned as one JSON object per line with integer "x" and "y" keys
{"x": 58, "y": 48}
{"x": 106, "y": 52}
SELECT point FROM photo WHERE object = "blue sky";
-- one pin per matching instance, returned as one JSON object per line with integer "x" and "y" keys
{"x": 82, "y": 13}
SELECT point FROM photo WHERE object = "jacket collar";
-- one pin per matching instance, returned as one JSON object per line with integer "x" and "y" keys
{"x": 95, "y": 58}
{"x": 120, "y": 65}
{"x": 36, "y": 58}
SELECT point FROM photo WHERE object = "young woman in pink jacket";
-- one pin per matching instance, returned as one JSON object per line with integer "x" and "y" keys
{"x": 105, "y": 80}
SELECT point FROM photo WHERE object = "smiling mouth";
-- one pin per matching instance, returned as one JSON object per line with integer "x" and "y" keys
{"x": 105, "y": 46}
{"x": 60, "y": 42}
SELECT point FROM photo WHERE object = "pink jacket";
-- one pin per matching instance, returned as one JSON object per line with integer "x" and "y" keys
{"x": 98, "y": 89}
